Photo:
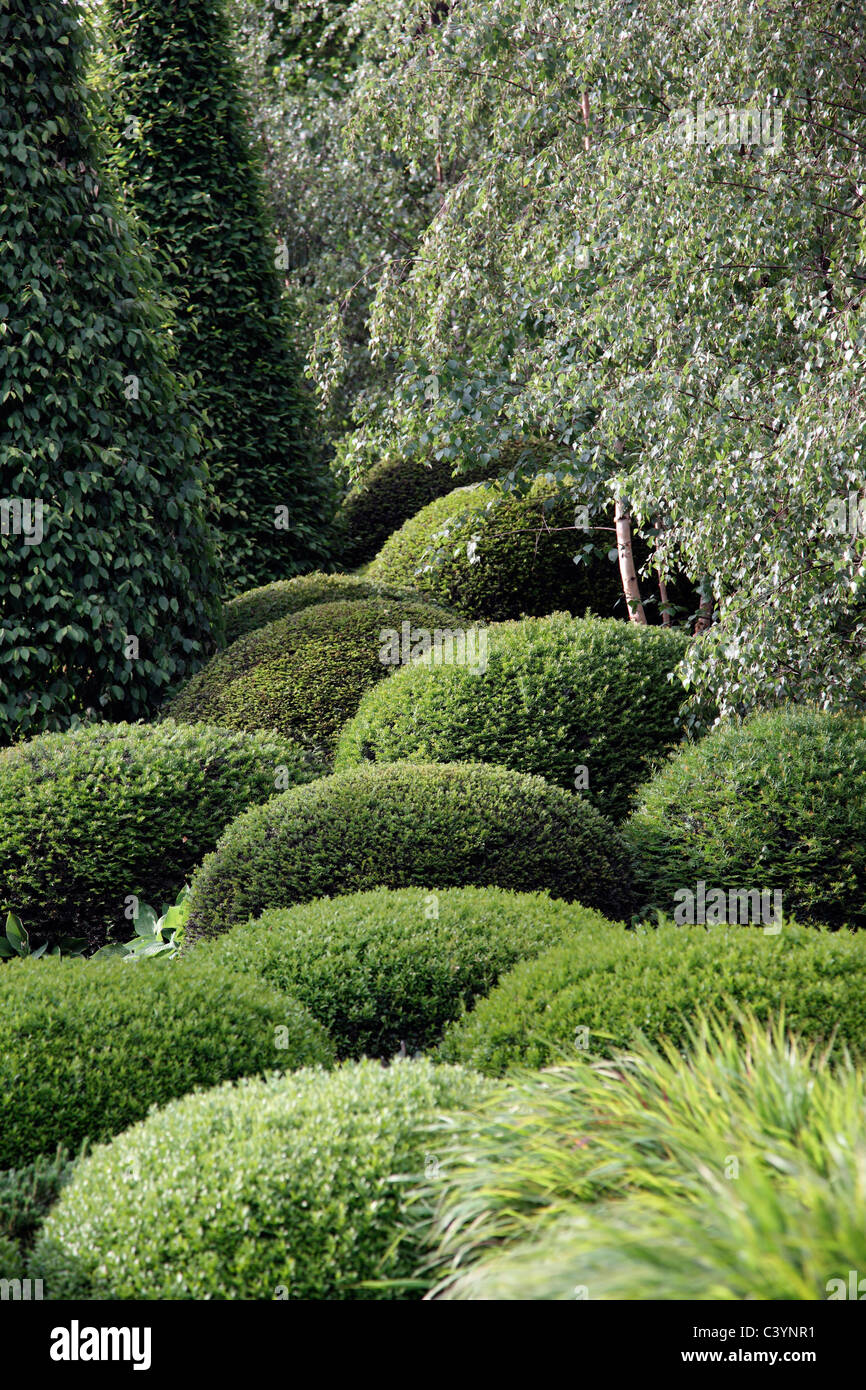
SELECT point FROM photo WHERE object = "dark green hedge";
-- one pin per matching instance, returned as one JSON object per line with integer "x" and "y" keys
{"x": 408, "y": 825}
{"x": 92, "y": 816}
{"x": 303, "y": 675}
{"x": 182, "y": 150}
{"x": 394, "y": 490}
{"x": 116, "y": 598}
{"x": 26, "y": 1196}
{"x": 615, "y": 983}
{"x": 559, "y": 694}
{"x": 290, "y": 1188}
{"x": 777, "y": 802}
{"x": 385, "y": 970}
{"x": 258, "y": 607}
{"x": 89, "y": 1046}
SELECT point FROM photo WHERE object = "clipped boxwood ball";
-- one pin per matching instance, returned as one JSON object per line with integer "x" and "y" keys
{"x": 387, "y": 969}
{"x": 304, "y": 675}
{"x": 597, "y": 990}
{"x": 293, "y": 1187}
{"x": 497, "y": 555}
{"x": 777, "y": 802}
{"x": 404, "y": 825}
{"x": 258, "y": 607}
{"x": 586, "y": 703}
{"x": 93, "y": 815}
{"x": 89, "y": 1046}
{"x": 392, "y": 491}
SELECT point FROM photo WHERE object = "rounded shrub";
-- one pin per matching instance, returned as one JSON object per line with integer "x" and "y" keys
{"x": 387, "y": 969}
{"x": 285, "y": 1188}
{"x": 89, "y": 1046}
{"x": 496, "y": 555}
{"x": 599, "y": 988}
{"x": 499, "y": 555}
{"x": 409, "y": 825}
{"x": 777, "y": 802}
{"x": 258, "y": 607}
{"x": 99, "y": 813}
{"x": 304, "y": 675}
{"x": 587, "y": 703}
{"x": 393, "y": 490}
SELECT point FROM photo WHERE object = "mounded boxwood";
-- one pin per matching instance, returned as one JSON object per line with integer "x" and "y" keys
{"x": 392, "y": 491}
{"x": 775, "y": 802}
{"x": 89, "y": 1046}
{"x": 406, "y": 825}
{"x": 516, "y": 566}
{"x": 616, "y": 983}
{"x": 286, "y": 1188}
{"x": 388, "y": 969}
{"x": 258, "y": 607}
{"x": 303, "y": 675}
{"x": 93, "y": 815}
{"x": 558, "y": 693}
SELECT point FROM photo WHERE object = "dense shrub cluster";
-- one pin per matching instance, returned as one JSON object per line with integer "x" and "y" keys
{"x": 89, "y": 1046}
{"x": 95, "y": 815}
{"x": 258, "y": 607}
{"x": 304, "y": 675}
{"x": 776, "y": 802}
{"x": 394, "y": 490}
{"x": 385, "y": 970}
{"x": 597, "y": 990}
{"x": 26, "y": 1196}
{"x": 558, "y": 695}
{"x": 410, "y": 825}
{"x": 315, "y": 1168}
{"x": 108, "y": 587}
{"x": 731, "y": 1172}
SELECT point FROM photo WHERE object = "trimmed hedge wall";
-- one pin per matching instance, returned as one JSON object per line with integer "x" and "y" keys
{"x": 387, "y": 969}
{"x": 304, "y": 675}
{"x": 89, "y": 1046}
{"x": 616, "y": 983}
{"x": 558, "y": 694}
{"x": 410, "y": 825}
{"x": 777, "y": 802}
{"x": 92, "y": 816}
{"x": 288, "y": 1188}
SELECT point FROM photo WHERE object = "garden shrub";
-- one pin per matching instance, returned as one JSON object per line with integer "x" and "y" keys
{"x": 89, "y": 1046}
{"x": 777, "y": 802}
{"x": 285, "y": 1188}
{"x": 258, "y": 607}
{"x": 26, "y": 1196}
{"x": 182, "y": 152}
{"x": 732, "y": 1173}
{"x": 614, "y": 984}
{"x": 304, "y": 675}
{"x": 393, "y": 490}
{"x": 108, "y": 594}
{"x": 558, "y": 694}
{"x": 385, "y": 969}
{"x": 406, "y": 825}
{"x": 97, "y": 814}
{"x": 498, "y": 555}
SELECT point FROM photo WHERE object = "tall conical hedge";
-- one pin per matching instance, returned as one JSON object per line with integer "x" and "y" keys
{"x": 184, "y": 156}
{"x": 107, "y": 583}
